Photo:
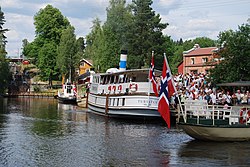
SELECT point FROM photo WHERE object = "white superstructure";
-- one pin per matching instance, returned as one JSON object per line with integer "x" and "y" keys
{"x": 123, "y": 93}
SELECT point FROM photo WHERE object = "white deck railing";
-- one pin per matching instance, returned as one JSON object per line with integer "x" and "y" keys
{"x": 201, "y": 110}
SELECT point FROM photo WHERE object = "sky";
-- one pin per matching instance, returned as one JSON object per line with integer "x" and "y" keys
{"x": 187, "y": 19}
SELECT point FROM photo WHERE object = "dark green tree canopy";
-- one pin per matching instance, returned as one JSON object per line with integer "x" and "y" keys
{"x": 66, "y": 59}
{"x": 135, "y": 28}
{"x": 3, "y": 40}
{"x": 146, "y": 34}
{"x": 49, "y": 24}
{"x": 4, "y": 67}
{"x": 235, "y": 56}
{"x": 202, "y": 41}
{"x": 94, "y": 42}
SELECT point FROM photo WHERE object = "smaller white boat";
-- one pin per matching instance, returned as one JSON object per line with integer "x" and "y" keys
{"x": 68, "y": 93}
{"x": 214, "y": 122}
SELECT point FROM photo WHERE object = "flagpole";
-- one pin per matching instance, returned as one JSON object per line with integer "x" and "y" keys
{"x": 149, "y": 80}
{"x": 149, "y": 75}
{"x": 174, "y": 87}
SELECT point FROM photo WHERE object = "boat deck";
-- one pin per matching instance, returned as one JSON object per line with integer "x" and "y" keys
{"x": 199, "y": 112}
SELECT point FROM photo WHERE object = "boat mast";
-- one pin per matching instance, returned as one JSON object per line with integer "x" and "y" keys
{"x": 70, "y": 74}
{"x": 70, "y": 69}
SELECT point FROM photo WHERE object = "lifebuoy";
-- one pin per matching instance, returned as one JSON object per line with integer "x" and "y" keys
{"x": 244, "y": 115}
{"x": 133, "y": 87}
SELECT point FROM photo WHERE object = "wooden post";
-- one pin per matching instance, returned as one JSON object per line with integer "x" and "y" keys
{"x": 107, "y": 104}
{"x": 87, "y": 98}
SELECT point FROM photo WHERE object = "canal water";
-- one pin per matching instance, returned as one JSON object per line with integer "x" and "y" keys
{"x": 41, "y": 132}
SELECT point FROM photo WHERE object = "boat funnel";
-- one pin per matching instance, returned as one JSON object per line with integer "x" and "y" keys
{"x": 123, "y": 60}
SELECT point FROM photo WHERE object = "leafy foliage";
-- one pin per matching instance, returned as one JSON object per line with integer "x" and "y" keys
{"x": 49, "y": 24}
{"x": 147, "y": 34}
{"x": 66, "y": 59}
{"x": 47, "y": 61}
{"x": 4, "y": 68}
{"x": 234, "y": 51}
{"x": 135, "y": 28}
{"x": 93, "y": 41}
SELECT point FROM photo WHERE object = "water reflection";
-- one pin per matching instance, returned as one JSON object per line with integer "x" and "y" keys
{"x": 215, "y": 153}
{"x": 41, "y": 132}
{"x": 72, "y": 113}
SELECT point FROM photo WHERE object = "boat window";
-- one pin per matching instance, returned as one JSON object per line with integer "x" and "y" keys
{"x": 116, "y": 79}
{"x": 69, "y": 89}
{"x": 111, "y": 79}
{"x": 107, "y": 79}
{"x": 95, "y": 79}
{"x": 125, "y": 79}
{"x": 117, "y": 101}
{"x": 121, "y": 78}
{"x": 98, "y": 79}
{"x": 132, "y": 79}
{"x": 142, "y": 78}
{"x": 123, "y": 101}
{"x": 103, "y": 79}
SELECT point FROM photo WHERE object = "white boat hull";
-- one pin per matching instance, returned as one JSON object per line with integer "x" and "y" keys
{"x": 67, "y": 100}
{"x": 214, "y": 122}
{"x": 214, "y": 133}
{"x": 129, "y": 105}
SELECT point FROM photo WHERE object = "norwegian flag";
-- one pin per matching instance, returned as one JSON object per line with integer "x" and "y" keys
{"x": 166, "y": 91}
{"x": 152, "y": 76}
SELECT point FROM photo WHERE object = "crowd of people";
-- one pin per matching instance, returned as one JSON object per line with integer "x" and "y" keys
{"x": 197, "y": 87}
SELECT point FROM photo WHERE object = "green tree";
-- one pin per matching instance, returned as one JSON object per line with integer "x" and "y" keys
{"x": 47, "y": 61}
{"x": 80, "y": 46}
{"x": 80, "y": 49}
{"x": 67, "y": 58}
{"x": 202, "y": 41}
{"x": 146, "y": 34}
{"x": 234, "y": 52}
{"x": 4, "y": 68}
{"x": 94, "y": 43}
{"x": 49, "y": 24}
{"x": 115, "y": 29}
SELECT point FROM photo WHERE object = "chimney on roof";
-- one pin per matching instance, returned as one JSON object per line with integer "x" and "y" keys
{"x": 196, "y": 46}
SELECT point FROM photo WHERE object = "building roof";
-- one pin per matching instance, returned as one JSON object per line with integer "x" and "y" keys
{"x": 200, "y": 51}
{"x": 89, "y": 62}
{"x": 181, "y": 63}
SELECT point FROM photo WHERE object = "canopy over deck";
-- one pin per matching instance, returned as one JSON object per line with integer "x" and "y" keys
{"x": 236, "y": 84}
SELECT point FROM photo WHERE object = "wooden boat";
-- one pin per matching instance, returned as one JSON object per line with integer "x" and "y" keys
{"x": 213, "y": 122}
{"x": 68, "y": 94}
{"x": 126, "y": 93}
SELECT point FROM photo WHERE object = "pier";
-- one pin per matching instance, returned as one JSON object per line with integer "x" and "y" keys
{"x": 32, "y": 94}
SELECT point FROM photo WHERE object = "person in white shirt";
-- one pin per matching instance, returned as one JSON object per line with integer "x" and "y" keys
{"x": 228, "y": 98}
{"x": 238, "y": 97}
{"x": 213, "y": 97}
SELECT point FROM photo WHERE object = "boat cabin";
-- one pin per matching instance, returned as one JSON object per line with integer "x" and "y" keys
{"x": 129, "y": 81}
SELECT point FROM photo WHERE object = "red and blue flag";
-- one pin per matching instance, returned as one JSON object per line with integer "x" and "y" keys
{"x": 152, "y": 76}
{"x": 166, "y": 91}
